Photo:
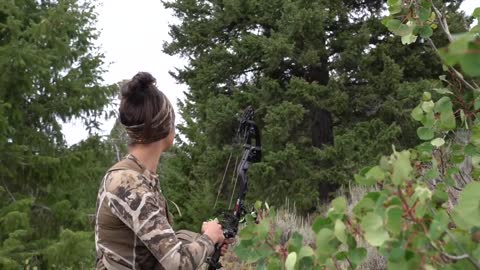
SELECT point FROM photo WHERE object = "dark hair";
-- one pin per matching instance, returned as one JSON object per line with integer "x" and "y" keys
{"x": 145, "y": 111}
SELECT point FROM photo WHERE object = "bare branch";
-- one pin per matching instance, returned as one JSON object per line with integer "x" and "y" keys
{"x": 455, "y": 257}
{"x": 442, "y": 21}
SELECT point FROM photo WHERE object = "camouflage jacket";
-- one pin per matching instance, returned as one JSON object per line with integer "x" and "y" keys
{"x": 132, "y": 230}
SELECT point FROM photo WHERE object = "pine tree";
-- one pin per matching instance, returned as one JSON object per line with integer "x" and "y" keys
{"x": 51, "y": 72}
{"x": 325, "y": 78}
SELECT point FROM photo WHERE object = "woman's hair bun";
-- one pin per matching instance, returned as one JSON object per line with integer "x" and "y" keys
{"x": 138, "y": 87}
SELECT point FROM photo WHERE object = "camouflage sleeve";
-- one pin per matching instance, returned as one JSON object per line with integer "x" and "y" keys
{"x": 135, "y": 203}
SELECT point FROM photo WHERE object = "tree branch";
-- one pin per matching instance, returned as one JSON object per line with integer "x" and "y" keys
{"x": 8, "y": 191}
{"x": 460, "y": 247}
{"x": 455, "y": 257}
{"x": 442, "y": 21}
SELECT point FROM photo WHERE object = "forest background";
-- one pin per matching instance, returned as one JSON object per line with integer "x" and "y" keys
{"x": 332, "y": 87}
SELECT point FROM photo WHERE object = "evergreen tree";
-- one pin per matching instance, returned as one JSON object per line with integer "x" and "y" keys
{"x": 51, "y": 72}
{"x": 332, "y": 89}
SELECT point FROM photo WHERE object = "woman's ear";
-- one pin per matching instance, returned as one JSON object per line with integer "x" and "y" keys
{"x": 171, "y": 137}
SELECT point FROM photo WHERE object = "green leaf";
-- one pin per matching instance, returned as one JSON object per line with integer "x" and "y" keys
{"x": 429, "y": 120}
{"x": 425, "y": 31}
{"x": 475, "y": 139}
{"x": 439, "y": 224}
{"x": 395, "y": 251}
{"x": 394, "y": 6}
{"x": 408, "y": 39}
{"x": 394, "y": 219}
{"x": 339, "y": 231}
{"x": 321, "y": 223}
{"x": 422, "y": 193}
{"x": 362, "y": 180}
{"x": 459, "y": 46}
{"x": 247, "y": 233}
{"x": 417, "y": 113}
{"x": 427, "y": 96}
{"x": 425, "y": 133}
{"x": 351, "y": 242}
{"x": 401, "y": 167}
{"x": 438, "y": 142}
{"x": 476, "y": 253}
{"x": 342, "y": 255}
{"x": 467, "y": 211}
{"x": 395, "y": 9}
{"x": 476, "y": 13}
{"x": 243, "y": 250}
{"x": 305, "y": 251}
{"x": 263, "y": 228}
{"x": 291, "y": 261}
{"x": 393, "y": 25}
{"x": 339, "y": 204}
{"x": 421, "y": 210}
{"x": 458, "y": 154}
{"x": 376, "y": 173}
{"x": 375, "y": 235}
{"x": 364, "y": 206}
{"x": 476, "y": 105}
{"x": 403, "y": 30}
{"x": 443, "y": 91}
{"x": 295, "y": 242}
{"x": 470, "y": 61}
{"x": 357, "y": 256}
{"x": 324, "y": 246}
{"x": 440, "y": 196}
{"x": 443, "y": 105}
{"x": 426, "y": 147}
{"x": 475, "y": 29}
{"x": 432, "y": 173}
{"x": 400, "y": 265}
{"x": 428, "y": 106}
{"x": 471, "y": 150}
{"x": 304, "y": 263}
{"x": 424, "y": 14}
{"x": 258, "y": 205}
{"x": 447, "y": 121}
{"x": 394, "y": 2}
{"x": 425, "y": 3}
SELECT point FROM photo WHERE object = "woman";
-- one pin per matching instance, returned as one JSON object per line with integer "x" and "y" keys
{"x": 132, "y": 228}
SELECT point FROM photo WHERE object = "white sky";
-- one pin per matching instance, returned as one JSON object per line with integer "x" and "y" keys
{"x": 132, "y": 35}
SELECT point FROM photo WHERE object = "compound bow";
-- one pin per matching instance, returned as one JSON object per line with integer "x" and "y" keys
{"x": 250, "y": 135}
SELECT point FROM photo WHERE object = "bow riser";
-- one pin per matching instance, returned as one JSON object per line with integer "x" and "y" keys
{"x": 251, "y": 154}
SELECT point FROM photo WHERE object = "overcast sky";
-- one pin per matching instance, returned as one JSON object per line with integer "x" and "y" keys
{"x": 132, "y": 34}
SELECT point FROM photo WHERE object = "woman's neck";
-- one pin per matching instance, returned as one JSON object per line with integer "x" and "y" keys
{"x": 148, "y": 156}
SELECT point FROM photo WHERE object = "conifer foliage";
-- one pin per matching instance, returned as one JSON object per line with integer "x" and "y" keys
{"x": 331, "y": 86}
{"x": 50, "y": 72}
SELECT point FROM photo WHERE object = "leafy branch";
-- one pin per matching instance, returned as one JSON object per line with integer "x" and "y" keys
{"x": 412, "y": 220}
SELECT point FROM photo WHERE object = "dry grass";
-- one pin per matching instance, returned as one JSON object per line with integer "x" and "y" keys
{"x": 289, "y": 221}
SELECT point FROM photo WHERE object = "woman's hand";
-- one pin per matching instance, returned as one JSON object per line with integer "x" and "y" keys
{"x": 214, "y": 231}
{"x": 226, "y": 244}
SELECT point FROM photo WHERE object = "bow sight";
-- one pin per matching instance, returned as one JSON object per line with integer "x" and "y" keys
{"x": 250, "y": 137}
